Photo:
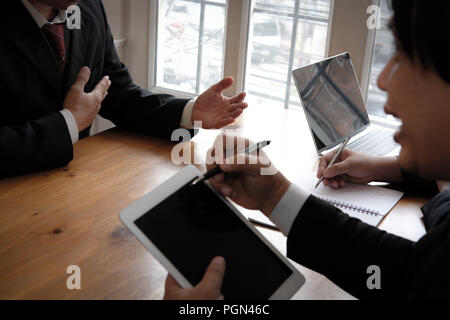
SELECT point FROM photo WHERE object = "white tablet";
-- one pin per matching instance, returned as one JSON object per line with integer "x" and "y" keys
{"x": 185, "y": 226}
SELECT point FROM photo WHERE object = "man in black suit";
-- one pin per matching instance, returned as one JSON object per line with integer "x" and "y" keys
{"x": 55, "y": 80}
{"x": 323, "y": 238}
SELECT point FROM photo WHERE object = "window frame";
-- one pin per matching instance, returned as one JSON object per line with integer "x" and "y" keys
{"x": 366, "y": 72}
{"x": 359, "y": 44}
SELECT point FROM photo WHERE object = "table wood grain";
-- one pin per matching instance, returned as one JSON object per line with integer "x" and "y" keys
{"x": 70, "y": 216}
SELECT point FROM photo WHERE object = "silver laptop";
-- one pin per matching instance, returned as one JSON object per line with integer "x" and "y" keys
{"x": 334, "y": 106}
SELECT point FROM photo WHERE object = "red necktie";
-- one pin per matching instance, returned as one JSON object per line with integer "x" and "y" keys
{"x": 55, "y": 35}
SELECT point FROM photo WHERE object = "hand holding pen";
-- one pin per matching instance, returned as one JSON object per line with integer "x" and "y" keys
{"x": 250, "y": 184}
{"x": 216, "y": 170}
{"x": 337, "y": 155}
{"x": 357, "y": 167}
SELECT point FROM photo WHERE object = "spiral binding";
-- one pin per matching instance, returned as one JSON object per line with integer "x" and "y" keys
{"x": 349, "y": 206}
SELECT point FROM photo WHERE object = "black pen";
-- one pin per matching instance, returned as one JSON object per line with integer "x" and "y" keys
{"x": 216, "y": 170}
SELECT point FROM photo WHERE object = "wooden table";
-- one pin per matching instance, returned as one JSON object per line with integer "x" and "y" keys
{"x": 69, "y": 216}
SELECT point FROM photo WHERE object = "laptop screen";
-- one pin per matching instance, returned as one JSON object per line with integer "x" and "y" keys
{"x": 332, "y": 100}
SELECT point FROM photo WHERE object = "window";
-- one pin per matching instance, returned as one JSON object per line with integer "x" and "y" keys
{"x": 194, "y": 43}
{"x": 190, "y": 44}
{"x": 284, "y": 35}
{"x": 383, "y": 49}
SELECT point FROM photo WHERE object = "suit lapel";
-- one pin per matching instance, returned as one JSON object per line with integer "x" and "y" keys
{"x": 78, "y": 40}
{"x": 33, "y": 44}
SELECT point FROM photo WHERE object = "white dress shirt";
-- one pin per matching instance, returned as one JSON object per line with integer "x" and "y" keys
{"x": 67, "y": 114}
{"x": 287, "y": 209}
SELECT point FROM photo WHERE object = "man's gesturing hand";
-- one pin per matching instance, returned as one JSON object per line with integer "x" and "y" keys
{"x": 216, "y": 111}
{"x": 85, "y": 106}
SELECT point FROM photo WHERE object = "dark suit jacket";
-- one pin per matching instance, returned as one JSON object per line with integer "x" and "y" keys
{"x": 33, "y": 134}
{"x": 327, "y": 240}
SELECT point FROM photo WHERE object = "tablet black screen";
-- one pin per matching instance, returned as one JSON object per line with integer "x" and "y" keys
{"x": 194, "y": 225}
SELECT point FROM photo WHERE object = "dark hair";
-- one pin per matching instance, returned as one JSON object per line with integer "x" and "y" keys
{"x": 422, "y": 28}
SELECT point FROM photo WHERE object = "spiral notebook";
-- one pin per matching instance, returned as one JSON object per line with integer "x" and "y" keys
{"x": 366, "y": 202}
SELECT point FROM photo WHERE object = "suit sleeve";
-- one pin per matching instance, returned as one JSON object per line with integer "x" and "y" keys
{"x": 415, "y": 185}
{"x": 342, "y": 248}
{"x": 129, "y": 106}
{"x": 35, "y": 145}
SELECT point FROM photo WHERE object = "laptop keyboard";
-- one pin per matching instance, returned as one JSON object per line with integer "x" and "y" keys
{"x": 378, "y": 142}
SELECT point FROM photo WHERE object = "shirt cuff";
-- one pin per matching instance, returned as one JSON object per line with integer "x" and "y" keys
{"x": 186, "y": 118}
{"x": 71, "y": 124}
{"x": 287, "y": 209}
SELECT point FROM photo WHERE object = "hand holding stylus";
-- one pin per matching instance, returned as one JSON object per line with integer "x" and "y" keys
{"x": 216, "y": 170}
{"x": 357, "y": 167}
{"x": 337, "y": 155}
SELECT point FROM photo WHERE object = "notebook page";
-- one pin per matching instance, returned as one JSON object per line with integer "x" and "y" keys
{"x": 376, "y": 198}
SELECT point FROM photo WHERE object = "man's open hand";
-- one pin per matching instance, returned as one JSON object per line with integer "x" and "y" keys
{"x": 216, "y": 111}
{"x": 85, "y": 106}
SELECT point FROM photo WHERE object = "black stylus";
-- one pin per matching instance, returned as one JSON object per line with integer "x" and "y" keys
{"x": 216, "y": 170}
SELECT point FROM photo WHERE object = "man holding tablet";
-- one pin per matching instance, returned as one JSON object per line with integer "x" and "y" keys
{"x": 208, "y": 289}
{"x": 185, "y": 224}
{"x": 323, "y": 238}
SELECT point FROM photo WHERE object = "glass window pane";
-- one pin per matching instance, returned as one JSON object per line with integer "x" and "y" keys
{"x": 266, "y": 81}
{"x": 213, "y": 46}
{"x": 310, "y": 46}
{"x": 275, "y": 49}
{"x": 190, "y": 44}
{"x": 383, "y": 49}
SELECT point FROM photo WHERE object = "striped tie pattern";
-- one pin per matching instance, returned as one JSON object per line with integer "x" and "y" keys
{"x": 55, "y": 35}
